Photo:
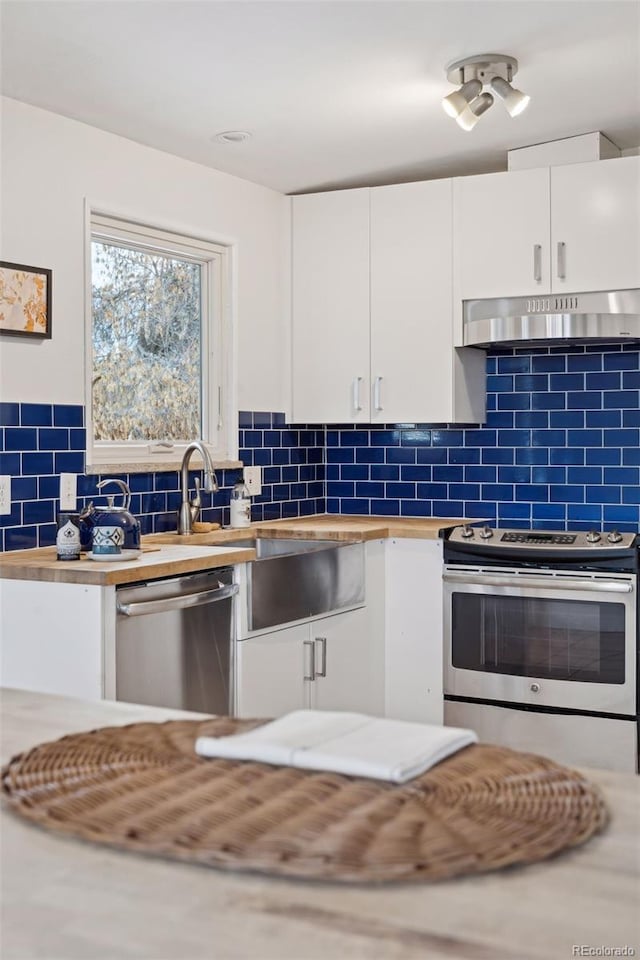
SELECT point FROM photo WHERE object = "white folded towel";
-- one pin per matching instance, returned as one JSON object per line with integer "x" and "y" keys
{"x": 350, "y": 743}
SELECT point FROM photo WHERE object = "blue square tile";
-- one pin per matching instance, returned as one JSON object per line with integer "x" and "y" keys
{"x": 607, "y": 456}
{"x": 550, "y": 364}
{"x": 289, "y": 474}
{"x": 621, "y": 475}
{"x": 521, "y": 364}
{"x": 480, "y": 438}
{"x": 567, "y": 493}
{"x": 603, "y": 381}
{"x": 447, "y": 438}
{"x": 463, "y": 491}
{"x": 499, "y": 384}
{"x": 9, "y": 414}
{"x": 585, "y": 511}
{"x": 621, "y": 438}
{"x": 514, "y": 401}
{"x": 531, "y": 456}
{"x": 548, "y": 511}
{"x": 369, "y": 454}
{"x": 631, "y": 380}
{"x": 504, "y": 454}
{"x": 417, "y": 473}
{"x": 262, "y": 457}
{"x": 621, "y": 514}
{"x": 547, "y": 438}
{"x": 510, "y": 474}
{"x": 20, "y": 438}
{"x": 483, "y": 509}
{"x": 370, "y": 489}
{"x": 497, "y": 491}
{"x": 68, "y": 415}
{"x": 253, "y": 438}
{"x": 631, "y": 494}
{"x": 532, "y": 419}
{"x": 514, "y": 511}
{"x": 359, "y": 507}
{"x": 431, "y": 454}
{"x": 447, "y": 508}
{"x": 24, "y": 488}
{"x": 10, "y": 464}
{"x": 621, "y": 361}
{"x": 407, "y": 491}
{"x": 514, "y": 438}
{"x": 548, "y": 474}
{"x": 548, "y": 401}
{"x": 425, "y": 491}
{"x": 39, "y": 463}
{"x": 631, "y": 418}
{"x": 563, "y": 382}
{"x": 584, "y": 362}
{"x": 21, "y": 538}
{"x": 36, "y": 414}
{"x": 449, "y": 474}
{"x": 502, "y": 419}
{"x": 278, "y": 419}
{"x": 531, "y": 382}
{"x": 565, "y": 457}
{"x": 603, "y": 494}
{"x": 532, "y": 492}
{"x": 56, "y": 438}
{"x": 261, "y": 419}
{"x": 383, "y": 471}
{"x": 245, "y": 418}
{"x": 415, "y": 508}
{"x": 69, "y": 462}
{"x": 584, "y": 438}
{"x": 603, "y": 418}
{"x": 474, "y": 474}
{"x": 562, "y": 419}
{"x": 47, "y": 534}
{"x": 38, "y": 511}
{"x": 385, "y": 508}
{"x": 620, "y": 399}
{"x": 590, "y": 474}
{"x": 401, "y": 454}
{"x": 13, "y": 519}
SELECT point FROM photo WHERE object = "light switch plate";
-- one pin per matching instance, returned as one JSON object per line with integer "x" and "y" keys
{"x": 68, "y": 491}
{"x": 253, "y": 480}
{"x": 5, "y": 496}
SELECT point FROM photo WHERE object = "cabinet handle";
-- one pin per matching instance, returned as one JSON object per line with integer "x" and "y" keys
{"x": 357, "y": 406}
{"x": 537, "y": 262}
{"x": 377, "y": 405}
{"x": 562, "y": 260}
{"x": 312, "y": 662}
{"x": 322, "y": 672}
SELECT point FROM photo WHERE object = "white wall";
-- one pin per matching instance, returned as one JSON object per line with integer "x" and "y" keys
{"x": 49, "y": 164}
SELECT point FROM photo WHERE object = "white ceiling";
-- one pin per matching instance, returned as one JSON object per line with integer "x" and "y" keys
{"x": 335, "y": 92}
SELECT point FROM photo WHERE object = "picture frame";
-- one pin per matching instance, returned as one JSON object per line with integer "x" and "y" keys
{"x": 25, "y": 300}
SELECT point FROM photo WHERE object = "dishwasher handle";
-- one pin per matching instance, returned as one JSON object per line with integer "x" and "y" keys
{"x": 181, "y": 602}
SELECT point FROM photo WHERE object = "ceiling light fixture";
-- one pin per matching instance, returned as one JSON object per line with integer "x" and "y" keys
{"x": 495, "y": 70}
{"x": 233, "y": 136}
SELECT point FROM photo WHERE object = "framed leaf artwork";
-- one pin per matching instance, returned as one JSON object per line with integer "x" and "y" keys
{"x": 25, "y": 300}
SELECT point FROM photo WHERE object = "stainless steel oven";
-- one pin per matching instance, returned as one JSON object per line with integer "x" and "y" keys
{"x": 541, "y": 648}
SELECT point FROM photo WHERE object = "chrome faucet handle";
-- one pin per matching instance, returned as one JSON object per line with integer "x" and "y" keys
{"x": 196, "y": 503}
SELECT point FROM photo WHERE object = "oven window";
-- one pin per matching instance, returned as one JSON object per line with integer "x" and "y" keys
{"x": 537, "y": 637}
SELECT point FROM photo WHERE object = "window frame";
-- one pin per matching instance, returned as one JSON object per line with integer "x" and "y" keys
{"x": 217, "y": 382}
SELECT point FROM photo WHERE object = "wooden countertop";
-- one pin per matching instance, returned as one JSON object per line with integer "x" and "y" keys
{"x": 71, "y": 899}
{"x": 169, "y": 554}
{"x": 161, "y": 560}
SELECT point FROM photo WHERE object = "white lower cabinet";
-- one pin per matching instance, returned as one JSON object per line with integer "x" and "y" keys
{"x": 414, "y": 631}
{"x": 322, "y": 665}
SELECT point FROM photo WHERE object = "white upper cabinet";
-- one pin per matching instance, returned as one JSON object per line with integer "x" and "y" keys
{"x": 330, "y": 304}
{"x": 411, "y": 298}
{"x": 565, "y": 229}
{"x": 372, "y": 309}
{"x": 501, "y": 229}
{"x": 595, "y": 225}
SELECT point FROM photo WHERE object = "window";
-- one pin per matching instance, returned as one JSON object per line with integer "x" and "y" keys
{"x": 159, "y": 359}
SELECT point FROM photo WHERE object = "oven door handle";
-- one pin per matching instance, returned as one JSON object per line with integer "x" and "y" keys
{"x": 588, "y": 586}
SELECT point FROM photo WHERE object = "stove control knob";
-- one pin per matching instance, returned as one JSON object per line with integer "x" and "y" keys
{"x": 593, "y": 536}
{"x": 535, "y": 688}
{"x": 486, "y": 533}
{"x": 467, "y": 531}
{"x": 614, "y": 537}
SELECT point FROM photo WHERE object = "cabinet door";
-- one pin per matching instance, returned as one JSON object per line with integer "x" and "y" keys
{"x": 342, "y": 663}
{"x": 501, "y": 234}
{"x": 330, "y": 307}
{"x": 595, "y": 213}
{"x": 270, "y": 672}
{"x": 414, "y": 631}
{"x": 411, "y": 300}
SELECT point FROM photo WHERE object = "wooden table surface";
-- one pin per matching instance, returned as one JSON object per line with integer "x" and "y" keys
{"x": 65, "y": 899}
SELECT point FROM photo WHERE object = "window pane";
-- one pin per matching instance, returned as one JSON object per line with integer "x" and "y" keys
{"x": 146, "y": 345}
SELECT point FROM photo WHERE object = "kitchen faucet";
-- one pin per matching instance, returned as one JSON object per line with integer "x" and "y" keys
{"x": 188, "y": 512}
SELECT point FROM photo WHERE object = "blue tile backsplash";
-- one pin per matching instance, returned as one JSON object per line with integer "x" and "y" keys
{"x": 40, "y": 441}
{"x": 560, "y": 449}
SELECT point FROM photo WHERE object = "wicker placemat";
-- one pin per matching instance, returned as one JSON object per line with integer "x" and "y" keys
{"x": 143, "y": 788}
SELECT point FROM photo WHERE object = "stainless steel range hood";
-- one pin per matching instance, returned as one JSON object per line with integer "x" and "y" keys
{"x": 605, "y": 317}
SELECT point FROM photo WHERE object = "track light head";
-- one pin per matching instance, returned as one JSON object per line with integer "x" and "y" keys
{"x": 468, "y": 103}
{"x": 458, "y": 101}
{"x": 515, "y": 101}
{"x": 469, "y": 117}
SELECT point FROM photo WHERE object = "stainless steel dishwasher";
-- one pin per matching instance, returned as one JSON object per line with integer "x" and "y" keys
{"x": 174, "y": 642}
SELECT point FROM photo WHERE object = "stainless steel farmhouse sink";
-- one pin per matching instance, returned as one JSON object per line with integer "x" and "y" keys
{"x": 293, "y": 579}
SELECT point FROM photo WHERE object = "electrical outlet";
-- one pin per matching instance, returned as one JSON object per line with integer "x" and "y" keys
{"x": 253, "y": 480}
{"x": 5, "y": 496}
{"x": 68, "y": 491}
